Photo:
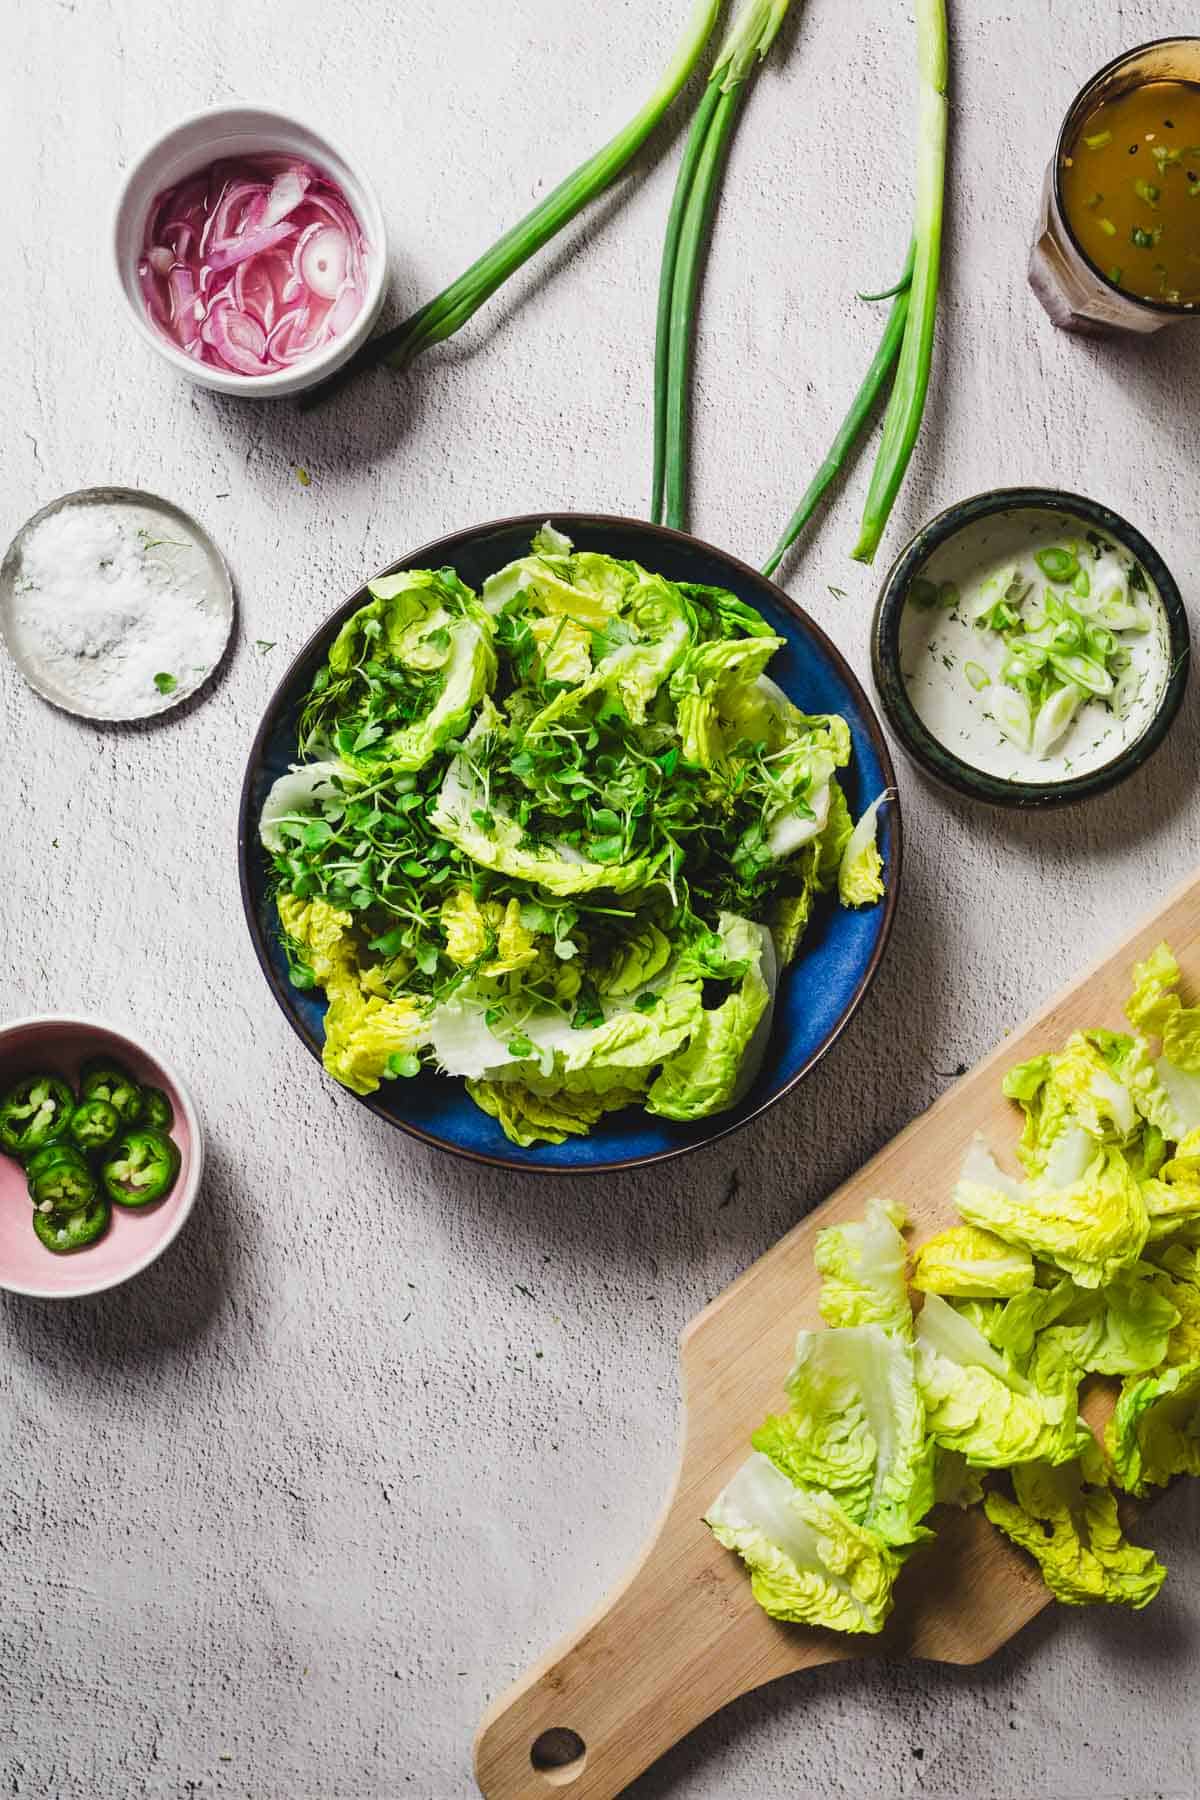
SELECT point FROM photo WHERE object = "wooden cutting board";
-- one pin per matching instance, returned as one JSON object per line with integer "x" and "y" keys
{"x": 681, "y": 1636}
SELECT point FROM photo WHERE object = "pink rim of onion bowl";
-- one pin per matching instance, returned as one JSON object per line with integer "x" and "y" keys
{"x": 247, "y": 135}
{"x": 60, "y": 1043}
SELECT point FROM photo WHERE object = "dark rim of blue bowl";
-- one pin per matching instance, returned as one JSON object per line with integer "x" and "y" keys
{"x": 927, "y": 751}
{"x": 438, "y": 554}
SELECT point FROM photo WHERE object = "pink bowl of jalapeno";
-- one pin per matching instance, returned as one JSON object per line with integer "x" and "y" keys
{"x": 101, "y": 1153}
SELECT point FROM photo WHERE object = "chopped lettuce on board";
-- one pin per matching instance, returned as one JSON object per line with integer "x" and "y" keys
{"x": 977, "y": 1403}
{"x": 862, "y": 1268}
{"x": 558, "y": 839}
{"x": 967, "y": 1263}
{"x": 856, "y": 1427}
{"x": 1154, "y": 1433}
{"x": 1065, "y": 1516}
{"x": 1094, "y": 1226}
{"x": 809, "y": 1563}
{"x": 1088, "y": 1269}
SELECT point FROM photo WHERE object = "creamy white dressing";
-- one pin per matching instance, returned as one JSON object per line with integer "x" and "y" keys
{"x": 937, "y": 644}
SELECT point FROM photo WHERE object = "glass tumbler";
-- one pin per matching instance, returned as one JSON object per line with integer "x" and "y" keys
{"x": 1074, "y": 291}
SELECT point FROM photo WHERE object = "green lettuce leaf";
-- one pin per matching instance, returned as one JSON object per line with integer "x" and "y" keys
{"x": 1172, "y": 1196}
{"x": 718, "y": 613}
{"x": 324, "y": 937}
{"x": 1065, "y": 1516}
{"x": 860, "y": 872}
{"x": 790, "y": 915}
{"x": 1072, "y": 1102}
{"x": 1121, "y": 1329}
{"x": 863, "y": 1271}
{"x": 812, "y": 870}
{"x": 804, "y": 751}
{"x": 1093, "y": 1227}
{"x": 714, "y": 1069}
{"x": 297, "y": 793}
{"x": 640, "y": 629}
{"x": 1154, "y": 1007}
{"x": 364, "y": 1032}
{"x": 549, "y": 582}
{"x": 550, "y": 542}
{"x": 638, "y": 958}
{"x": 472, "y": 1032}
{"x": 491, "y": 837}
{"x": 830, "y": 847}
{"x": 1154, "y": 999}
{"x": 978, "y": 1404}
{"x": 405, "y": 673}
{"x": 1154, "y": 1433}
{"x": 527, "y": 1117}
{"x": 971, "y": 1264}
{"x": 1177, "y": 1279}
{"x": 809, "y": 1564}
{"x": 856, "y": 1429}
{"x": 701, "y": 685}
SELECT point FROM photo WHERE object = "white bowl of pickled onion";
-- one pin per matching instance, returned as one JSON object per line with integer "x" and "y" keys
{"x": 251, "y": 251}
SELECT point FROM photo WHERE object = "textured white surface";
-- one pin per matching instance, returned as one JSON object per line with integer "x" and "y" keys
{"x": 279, "y": 1518}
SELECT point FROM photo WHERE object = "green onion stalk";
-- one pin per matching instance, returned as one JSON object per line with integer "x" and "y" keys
{"x": 451, "y": 309}
{"x": 882, "y": 364}
{"x": 906, "y": 406}
{"x": 749, "y": 38}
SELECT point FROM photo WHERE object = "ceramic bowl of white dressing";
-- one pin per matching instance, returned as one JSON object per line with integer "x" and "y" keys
{"x": 1030, "y": 648}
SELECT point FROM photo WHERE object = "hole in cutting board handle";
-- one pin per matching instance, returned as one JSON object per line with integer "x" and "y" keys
{"x": 559, "y": 1756}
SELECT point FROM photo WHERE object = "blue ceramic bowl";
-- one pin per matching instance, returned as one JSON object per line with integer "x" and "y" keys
{"x": 841, "y": 951}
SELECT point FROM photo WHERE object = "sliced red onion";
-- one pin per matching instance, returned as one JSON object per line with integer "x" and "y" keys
{"x": 152, "y": 294}
{"x": 240, "y": 342}
{"x": 222, "y": 223}
{"x": 257, "y": 283}
{"x": 181, "y": 285}
{"x": 287, "y": 191}
{"x": 295, "y": 336}
{"x": 325, "y": 261}
{"x": 253, "y": 265}
{"x": 343, "y": 312}
{"x": 253, "y": 244}
{"x": 336, "y": 208}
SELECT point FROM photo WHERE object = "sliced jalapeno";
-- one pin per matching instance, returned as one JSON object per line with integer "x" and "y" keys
{"x": 33, "y": 1112}
{"x": 156, "y": 1109}
{"x": 62, "y": 1185}
{"x": 63, "y": 1151}
{"x": 94, "y": 1124}
{"x": 140, "y": 1168}
{"x": 63, "y": 1232}
{"x": 100, "y": 1080}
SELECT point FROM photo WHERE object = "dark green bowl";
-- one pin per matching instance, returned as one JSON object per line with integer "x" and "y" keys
{"x": 928, "y": 752}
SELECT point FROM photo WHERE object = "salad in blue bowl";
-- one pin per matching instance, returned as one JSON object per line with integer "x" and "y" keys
{"x": 569, "y": 844}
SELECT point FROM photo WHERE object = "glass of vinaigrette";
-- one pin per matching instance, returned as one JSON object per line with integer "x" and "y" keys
{"x": 1118, "y": 241}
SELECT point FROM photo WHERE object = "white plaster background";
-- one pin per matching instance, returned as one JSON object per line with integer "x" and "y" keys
{"x": 278, "y": 1519}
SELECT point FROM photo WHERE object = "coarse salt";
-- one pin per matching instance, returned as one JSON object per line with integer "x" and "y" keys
{"x": 103, "y": 606}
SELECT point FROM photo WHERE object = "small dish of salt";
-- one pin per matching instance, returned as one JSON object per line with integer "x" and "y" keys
{"x": 114, "y": 604}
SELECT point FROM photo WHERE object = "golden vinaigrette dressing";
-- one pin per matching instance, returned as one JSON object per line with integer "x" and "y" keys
{"x": 1131, "y": 190}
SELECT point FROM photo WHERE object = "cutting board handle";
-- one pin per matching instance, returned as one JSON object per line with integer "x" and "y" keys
{"x": 661, "y": 1655}
{"x": 677, "y": 1640}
